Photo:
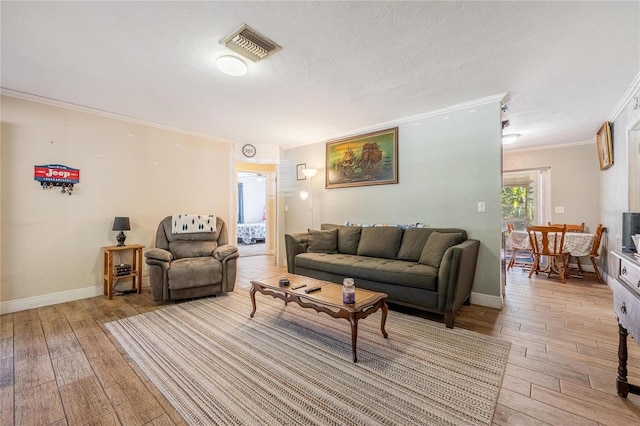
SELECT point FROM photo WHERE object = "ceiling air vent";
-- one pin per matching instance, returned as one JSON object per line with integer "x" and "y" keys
{"x": 250, "y": 44}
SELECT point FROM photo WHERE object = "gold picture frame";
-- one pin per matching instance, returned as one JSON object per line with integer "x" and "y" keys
{"x": 605, "y": 150}
{"x": 362, "y": 160}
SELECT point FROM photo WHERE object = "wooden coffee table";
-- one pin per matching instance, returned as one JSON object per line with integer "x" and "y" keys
{"x": 327, "y": 300}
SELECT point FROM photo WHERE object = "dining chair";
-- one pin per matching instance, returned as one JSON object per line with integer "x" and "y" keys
{"x": 549, "y": 241}
{"x": 595, "y": 252}
{"x": 525, "y": 254}
{"x": 570, "y": 227}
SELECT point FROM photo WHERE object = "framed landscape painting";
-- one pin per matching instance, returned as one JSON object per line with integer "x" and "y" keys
{"x": 605, "y": 152}
{"x": 368, "y": 159}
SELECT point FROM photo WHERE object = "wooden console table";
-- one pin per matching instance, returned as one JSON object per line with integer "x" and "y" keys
{"x": 136, "y": 268}
{"x": 626, "y": 303}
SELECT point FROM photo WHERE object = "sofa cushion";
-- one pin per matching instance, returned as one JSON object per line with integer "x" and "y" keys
{"x": 348, "y": 239}
{"x": 194, "y": 272}
{"x": 323, "y": 241}
{"x": 185, "y": 249}
{"x": 396, "y": 272}
{"x": 382, "y": 242}
{"x": 413, "y": 241}
{"x": 436, "y": 245}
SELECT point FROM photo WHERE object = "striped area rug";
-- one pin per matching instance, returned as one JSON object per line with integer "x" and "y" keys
{"x": 293, "y": 366}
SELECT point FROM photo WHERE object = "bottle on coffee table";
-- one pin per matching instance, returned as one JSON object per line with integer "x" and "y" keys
{"x": 348, "y": 291}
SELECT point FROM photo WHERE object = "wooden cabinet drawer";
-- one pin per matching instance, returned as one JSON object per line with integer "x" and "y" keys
{"x": 630, "y": 272}
{"x": 626, "y": 304}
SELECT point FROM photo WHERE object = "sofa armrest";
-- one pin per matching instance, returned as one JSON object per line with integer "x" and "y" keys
{"x": 225, "y": 251}
{"x": 456, "y": 274}
{"x": 157, "y": 256}
{"x": 227, "y": 254}
{"x": 295, "y": 244}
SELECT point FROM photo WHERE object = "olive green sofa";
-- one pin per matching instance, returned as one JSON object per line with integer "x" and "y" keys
{"x": 431, "y": 269}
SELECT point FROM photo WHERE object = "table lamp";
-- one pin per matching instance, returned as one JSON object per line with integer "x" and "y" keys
{"x": 121, "y": 224}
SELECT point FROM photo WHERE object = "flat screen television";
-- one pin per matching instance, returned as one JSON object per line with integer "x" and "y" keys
{"x": 630, "y": 226}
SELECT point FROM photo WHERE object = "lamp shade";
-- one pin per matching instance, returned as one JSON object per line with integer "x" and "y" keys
{"x": 121, "y": 224}
{"x": 310, "y": 172}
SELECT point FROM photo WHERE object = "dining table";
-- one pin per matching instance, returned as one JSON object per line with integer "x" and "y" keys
{"x": 575, "y": 243}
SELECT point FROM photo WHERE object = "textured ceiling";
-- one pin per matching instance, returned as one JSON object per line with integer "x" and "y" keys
{"x": 344, "y": 66}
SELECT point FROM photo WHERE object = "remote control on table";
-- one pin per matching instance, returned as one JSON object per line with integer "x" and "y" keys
{"x": 312, "y": 289}
{"x": 298, "y": 286}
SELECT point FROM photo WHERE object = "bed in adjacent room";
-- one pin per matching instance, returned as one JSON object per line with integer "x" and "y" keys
{"x": 249, "y": 233}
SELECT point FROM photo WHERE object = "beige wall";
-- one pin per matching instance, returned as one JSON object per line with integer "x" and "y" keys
{"x": 51, "y": 241}
{"x": 575, "y": 181}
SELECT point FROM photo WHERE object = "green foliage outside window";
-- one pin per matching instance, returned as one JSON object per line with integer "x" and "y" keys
{"x": 518, "y": 205}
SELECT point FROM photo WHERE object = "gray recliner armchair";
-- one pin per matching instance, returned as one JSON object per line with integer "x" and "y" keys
{"x": 185, "y": 266}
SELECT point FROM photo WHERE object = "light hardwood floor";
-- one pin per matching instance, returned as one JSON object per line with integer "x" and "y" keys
{"x": 60, "y": 366}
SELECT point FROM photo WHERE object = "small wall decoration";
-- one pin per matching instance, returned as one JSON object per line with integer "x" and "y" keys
{"x": 299, "y": 170}
{"x": 605, "y": 151}
{"x": 369, "y": 159}
{"x": 56, "y": 175}
{"x": 249, "y": 150}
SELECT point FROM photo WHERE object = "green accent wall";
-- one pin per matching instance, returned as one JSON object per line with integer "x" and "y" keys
{"x": 447, "y": 164}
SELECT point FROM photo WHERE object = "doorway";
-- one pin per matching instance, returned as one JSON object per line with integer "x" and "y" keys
{"x": 252, "y": 213}
{"x": 255, "y": 213}
{"x": 634, "y": 169}
{"x": 525, "y": 202}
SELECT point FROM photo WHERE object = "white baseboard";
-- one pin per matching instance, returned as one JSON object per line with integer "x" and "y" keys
{"x": 49, "y": 299}
{"x": 486, "y": 300}
{"x": 55, "y": 298}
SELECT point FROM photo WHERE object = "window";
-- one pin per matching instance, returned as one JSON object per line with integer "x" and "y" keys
{"x": 524, "y": 198}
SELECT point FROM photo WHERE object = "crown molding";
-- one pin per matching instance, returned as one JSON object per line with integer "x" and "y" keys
{"x": 106, "y": 114}
{"x": 547, "y": 147}
{"x": 632, "y": 91}
{"x": 392, "y": 123}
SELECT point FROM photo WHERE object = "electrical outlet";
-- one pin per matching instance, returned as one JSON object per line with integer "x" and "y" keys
{"x": 560, "y": 209}
{"x": 481, "y": 207}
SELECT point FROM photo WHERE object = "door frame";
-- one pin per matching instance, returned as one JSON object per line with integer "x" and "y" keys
{"x": 271, "y": 231}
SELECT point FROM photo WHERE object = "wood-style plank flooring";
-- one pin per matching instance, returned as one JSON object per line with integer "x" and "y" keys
{"x": 60, "y": 366}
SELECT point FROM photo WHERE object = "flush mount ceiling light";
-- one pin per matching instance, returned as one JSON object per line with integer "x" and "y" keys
{"x": 507, "y": 139}
{"x": 231, "y": 65}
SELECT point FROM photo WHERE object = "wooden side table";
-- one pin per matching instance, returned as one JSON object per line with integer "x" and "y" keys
{"x": 136, "y": 268}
